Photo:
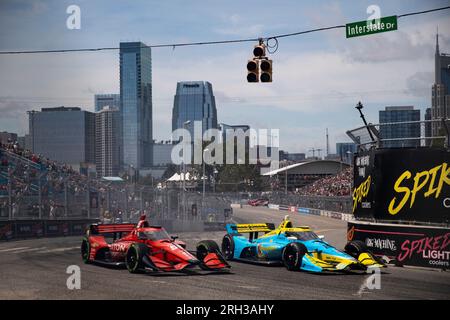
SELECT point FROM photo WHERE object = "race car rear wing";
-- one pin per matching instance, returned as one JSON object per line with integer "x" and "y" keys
{"x": 111, "y": 228}
{"x": 233, "y": 228}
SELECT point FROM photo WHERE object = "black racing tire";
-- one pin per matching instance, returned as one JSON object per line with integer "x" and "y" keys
{"x": 85, "y": 250}
{"x": 228, "y": 247}
{"x": 355, "y": 248}
{"x": 134, "y": 256}
{"x": 293, "y": 254}
{"x": 206, "y": 246}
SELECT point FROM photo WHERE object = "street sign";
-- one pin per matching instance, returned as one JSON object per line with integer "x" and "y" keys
{"x": 366, "y": 27}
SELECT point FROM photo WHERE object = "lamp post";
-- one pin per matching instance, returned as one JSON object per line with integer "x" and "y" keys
{"x": 215, "y": 173}
{"x": 348, "y": 157}
{"x": 185, "y": 124}
{"x": 204, "y": 174}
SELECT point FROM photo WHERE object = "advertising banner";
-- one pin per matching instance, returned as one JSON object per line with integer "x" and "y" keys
{"x": 56, "y": 228}
{"x": 402, "y": 184}
{"x": 407, "y": 245}
{"x": 29, "y": 229}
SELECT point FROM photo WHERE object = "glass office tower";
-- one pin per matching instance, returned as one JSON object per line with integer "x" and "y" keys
{"x": 136, "y": 104}
{"x": 194, "y": 101}
{"x": 400, "y": 131}
{"x": 66, "y": 135}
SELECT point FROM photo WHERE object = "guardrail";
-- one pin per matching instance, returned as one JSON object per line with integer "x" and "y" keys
{"x": 26, "y": 229}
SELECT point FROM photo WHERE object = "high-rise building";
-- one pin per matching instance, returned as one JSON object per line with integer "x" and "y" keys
{"x": 107, "y": 142}
{"x": 345, "y": 151}
{"x": 293, "y": 157}
{"x": 66, "y": 135}
{"x": 6, "y": 137}
{"x": 233, "y": 129}
{"x": 239, "y": 137}
{"x": 440, "y": 92}
{"x": 194, "y": 101}
{"x": 162, "y": 153}
{"x": 136, "y": 104}
{"x": 25, "y": 141}
{"x": 106, "y": 100}
{"x": 400, "y": 131}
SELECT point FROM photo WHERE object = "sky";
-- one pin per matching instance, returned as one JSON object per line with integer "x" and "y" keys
{"x": 318, "y": 78}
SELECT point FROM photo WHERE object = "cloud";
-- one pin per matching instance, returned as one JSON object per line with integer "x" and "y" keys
{"x": 23, "y": 6}
{"x": 419, "y": 84}
{"x": 235, "y": 26}
{"x": 13, "y": 115}
{"x": 317, "y": 79}
{"x": 410, "y": 42}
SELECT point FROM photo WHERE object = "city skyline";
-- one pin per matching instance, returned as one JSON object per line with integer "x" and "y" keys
{"x": 301, "y": 103}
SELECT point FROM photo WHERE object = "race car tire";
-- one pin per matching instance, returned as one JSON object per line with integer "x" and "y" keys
{"x": 206, "y": 246}
{"x": 228, "y": 247}
{"x": 355, "y": 248}
{"x": 293, "y": 254}
{"x": 85, "y": 250}
{"x": 134, "y": 256}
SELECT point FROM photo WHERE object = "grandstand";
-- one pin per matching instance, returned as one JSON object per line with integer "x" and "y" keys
{"x": 34, "y": 187}
{"x": 297, "y": 176}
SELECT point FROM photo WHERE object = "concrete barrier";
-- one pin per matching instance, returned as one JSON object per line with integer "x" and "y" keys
{"x": 312, "y": 211}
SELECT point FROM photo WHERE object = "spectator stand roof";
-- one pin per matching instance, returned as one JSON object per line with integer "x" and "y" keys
{"x": 113, "y": 179}
{"x": 315, "y": 167}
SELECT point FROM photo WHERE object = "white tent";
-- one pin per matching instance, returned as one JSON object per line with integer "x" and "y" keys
{"x": 179, "y": 177}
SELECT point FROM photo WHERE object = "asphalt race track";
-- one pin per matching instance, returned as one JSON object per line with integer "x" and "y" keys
{"x": 36, "y": 269}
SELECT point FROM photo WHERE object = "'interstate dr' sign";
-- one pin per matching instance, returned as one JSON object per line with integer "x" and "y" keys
{"x": 366, "y": 27}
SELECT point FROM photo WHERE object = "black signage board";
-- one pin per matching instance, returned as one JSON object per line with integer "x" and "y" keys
{"x": 407, "y": 245}
{"x": 402, "y": 185}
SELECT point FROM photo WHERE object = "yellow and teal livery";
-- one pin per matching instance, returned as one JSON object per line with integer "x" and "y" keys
{"x": 298, "y": 248}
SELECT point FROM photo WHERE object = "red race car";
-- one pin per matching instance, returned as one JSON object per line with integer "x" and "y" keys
{"x": 258, "y": 202}
{"x": 144, "y": 247}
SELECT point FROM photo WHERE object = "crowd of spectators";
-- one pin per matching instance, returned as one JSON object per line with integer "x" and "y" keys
{"x": 23, "y": 174}
{"x": 332, "y": 186}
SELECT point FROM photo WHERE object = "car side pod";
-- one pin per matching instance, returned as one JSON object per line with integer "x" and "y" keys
{"x": 312, "y": 264}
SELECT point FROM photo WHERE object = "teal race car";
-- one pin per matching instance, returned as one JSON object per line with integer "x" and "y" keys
{"x": 298, "y": 248}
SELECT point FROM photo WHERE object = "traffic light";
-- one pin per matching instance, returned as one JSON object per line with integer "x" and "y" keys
{"x": 253, "y": 71}
{"x": 259, "y": 51}
{"x": 260, "y": 67}
{"x": 266, "y": 70}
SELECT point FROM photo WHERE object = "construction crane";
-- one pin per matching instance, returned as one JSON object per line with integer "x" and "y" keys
{"x": 313, "y": 150}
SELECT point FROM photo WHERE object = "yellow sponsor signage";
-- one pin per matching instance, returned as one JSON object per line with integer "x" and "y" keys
{"x": 430, "y": 182}
{"x": 361, "y": 192}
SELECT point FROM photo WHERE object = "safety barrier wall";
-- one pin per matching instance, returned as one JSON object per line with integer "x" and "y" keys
{"x": 422, "y": 246}
{"x": 312, "y": 211}
{"x": 24, "y": 229}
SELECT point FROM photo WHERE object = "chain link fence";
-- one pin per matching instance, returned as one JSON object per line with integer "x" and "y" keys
{"x": 337, "y": 204}
{"x": 113, "y": 203}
